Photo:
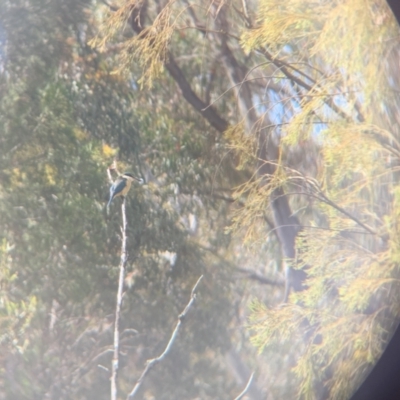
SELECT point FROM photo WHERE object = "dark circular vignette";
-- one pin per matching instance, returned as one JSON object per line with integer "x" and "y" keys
{"x": 395, "y": 6}
{"x": 383, "y": 382}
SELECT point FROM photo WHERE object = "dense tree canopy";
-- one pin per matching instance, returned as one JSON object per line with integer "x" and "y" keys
{"x": 266, "y": 133}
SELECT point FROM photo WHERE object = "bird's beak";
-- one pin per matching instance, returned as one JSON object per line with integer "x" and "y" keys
{"x": 139, "y": 180}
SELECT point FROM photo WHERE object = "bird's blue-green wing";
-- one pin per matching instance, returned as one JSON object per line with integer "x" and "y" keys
{"x": 115, "y": 189}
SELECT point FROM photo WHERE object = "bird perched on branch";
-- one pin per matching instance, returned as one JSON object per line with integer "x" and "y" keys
{"x": 121, "y": 186}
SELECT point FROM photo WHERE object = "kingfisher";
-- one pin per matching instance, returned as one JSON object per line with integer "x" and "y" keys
{"x": 121, "y": 186}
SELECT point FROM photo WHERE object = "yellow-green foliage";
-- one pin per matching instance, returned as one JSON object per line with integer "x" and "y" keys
{"x": 349, "y": 37}
{"x": 149, "y": 48}
{"x": 350, "y": 243}
{"x": 15, "y": 315}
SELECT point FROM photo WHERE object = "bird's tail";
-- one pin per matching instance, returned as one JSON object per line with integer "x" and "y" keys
{"x": 108, "y": 204}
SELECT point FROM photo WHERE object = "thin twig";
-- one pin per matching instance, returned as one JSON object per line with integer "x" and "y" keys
{"x": 124, "y": 258}
{"x": 319, "y": 194}
{"x": 343, "y": 211}
{"x": 246, "y": 388}
{"x": 245, "y": 12}
{"x": 112, "y": 167}
{"x": 151, "y": 363}
{"x": 325, "y": 200}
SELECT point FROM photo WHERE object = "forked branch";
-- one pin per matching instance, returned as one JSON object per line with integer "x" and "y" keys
{"x": 153, "y": 362}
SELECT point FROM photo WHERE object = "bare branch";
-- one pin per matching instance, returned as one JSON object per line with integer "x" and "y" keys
{"x": 151, "y": 363}
{"x": 124, "y": 258}
{"x": 191, "y": 97}
{"x": 246, "y": 388}
{"x": 245, "y": 12}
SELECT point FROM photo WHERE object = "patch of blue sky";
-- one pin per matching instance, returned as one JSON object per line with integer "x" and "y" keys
{"x": 273, "y": 106}
{"x": 280, "y": 110}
